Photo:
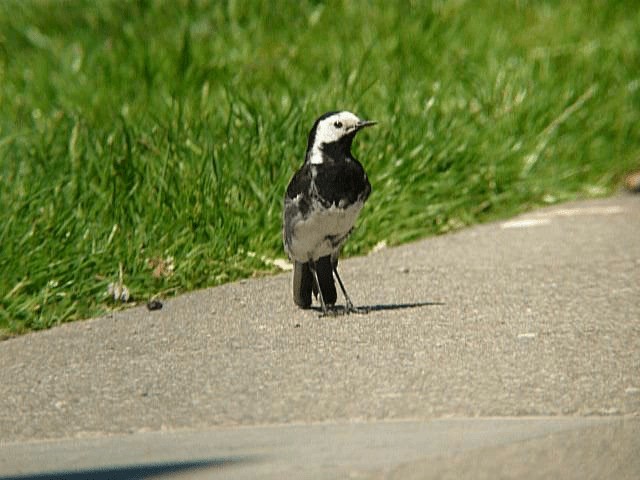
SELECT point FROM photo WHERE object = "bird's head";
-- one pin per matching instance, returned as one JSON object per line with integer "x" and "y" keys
{"x": 332, "y": 134}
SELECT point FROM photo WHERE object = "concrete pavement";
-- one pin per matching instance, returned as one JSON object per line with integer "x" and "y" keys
{"x": 531, "y": 324}
{"x": 558, "y": 447}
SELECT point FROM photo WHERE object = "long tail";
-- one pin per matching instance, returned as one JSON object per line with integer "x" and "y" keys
{"x": 303, "y": 283}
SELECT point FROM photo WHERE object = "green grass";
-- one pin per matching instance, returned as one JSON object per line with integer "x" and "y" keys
{"x": 131, "y": 132}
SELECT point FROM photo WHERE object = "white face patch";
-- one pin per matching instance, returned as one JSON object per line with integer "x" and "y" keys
{"x": 332, "y": 129}
{"x": 316, "y": 156}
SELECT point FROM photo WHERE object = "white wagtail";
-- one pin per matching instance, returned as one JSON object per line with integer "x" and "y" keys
{"x": 321, "y": 205}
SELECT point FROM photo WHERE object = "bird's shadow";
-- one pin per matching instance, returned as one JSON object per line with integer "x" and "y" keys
{"x": 399, "y": 306}
{"x": 342, "y": 310}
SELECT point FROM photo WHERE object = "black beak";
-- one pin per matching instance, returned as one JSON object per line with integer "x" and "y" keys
{"x": 364, "y": 123}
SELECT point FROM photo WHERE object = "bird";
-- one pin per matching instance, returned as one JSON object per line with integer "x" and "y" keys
{"x": 321, "y": 204}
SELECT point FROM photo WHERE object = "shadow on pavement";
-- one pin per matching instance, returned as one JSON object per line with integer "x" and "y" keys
{"x": 399, "y": 306}
{"x": 340, "y": 309}
{"x": 132, "y": 471}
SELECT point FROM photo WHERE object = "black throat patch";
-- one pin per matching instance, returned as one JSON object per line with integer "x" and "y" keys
{"x": 339, "y": 150}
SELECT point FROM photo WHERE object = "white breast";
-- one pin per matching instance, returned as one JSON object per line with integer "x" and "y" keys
{"x": 310, "y": 239}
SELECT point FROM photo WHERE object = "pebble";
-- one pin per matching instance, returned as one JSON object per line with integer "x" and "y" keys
{"x": 154, "y": 305}
{"x": 527, "y": 335}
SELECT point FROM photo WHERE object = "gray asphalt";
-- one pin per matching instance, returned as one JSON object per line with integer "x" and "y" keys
{"x": 508, "y": 350}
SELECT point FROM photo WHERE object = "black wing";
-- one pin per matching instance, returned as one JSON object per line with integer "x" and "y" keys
{"x": 296, "y": 202}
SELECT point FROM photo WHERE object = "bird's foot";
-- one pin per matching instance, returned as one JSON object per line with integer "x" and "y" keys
{"x": 349, "y": 308}
{"x": 331, "y": 311}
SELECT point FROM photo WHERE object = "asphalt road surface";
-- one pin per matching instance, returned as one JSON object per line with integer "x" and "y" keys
{"x": 508, "y": 350}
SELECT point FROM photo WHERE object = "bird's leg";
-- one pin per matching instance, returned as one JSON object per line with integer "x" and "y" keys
{"x": 312, "y": 267}
{"x": 349, "y": 304}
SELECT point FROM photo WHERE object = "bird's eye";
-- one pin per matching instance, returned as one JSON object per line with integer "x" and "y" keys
{"x": 338, "y": 124}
